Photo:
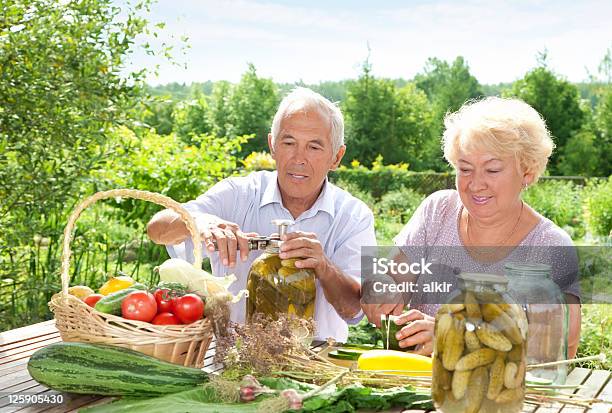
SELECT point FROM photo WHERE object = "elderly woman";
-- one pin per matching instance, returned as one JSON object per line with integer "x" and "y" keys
{"x": 498, "y": 148}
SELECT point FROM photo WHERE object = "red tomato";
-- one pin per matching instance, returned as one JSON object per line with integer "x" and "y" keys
{"x": 139, "y": 305}
{"x": 92, "y": 299}
{"x": 164, "y": 301}
{"x": 189, "y": 308}
{"x": 166, "y": 319}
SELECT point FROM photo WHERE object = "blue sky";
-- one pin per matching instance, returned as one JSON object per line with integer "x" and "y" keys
{"x": 328, "y": 40}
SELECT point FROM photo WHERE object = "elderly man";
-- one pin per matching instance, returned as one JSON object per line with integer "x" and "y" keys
{"x": 307, "y": 141}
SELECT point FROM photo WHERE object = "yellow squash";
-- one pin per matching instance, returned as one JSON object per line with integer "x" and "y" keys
{"x": 80, "y": 291}
{"x": 403, "y": 363}
{"x": 116, "y": 284}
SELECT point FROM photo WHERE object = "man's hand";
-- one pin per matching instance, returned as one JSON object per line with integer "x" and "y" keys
{"x": 305, "y": 245}
{"x": 418, "y": 330}
{"x": 341, "y": 290}
{"x": 229, "y": 239}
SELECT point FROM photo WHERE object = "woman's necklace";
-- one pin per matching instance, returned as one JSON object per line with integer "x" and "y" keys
{"x": 467, "y": 227}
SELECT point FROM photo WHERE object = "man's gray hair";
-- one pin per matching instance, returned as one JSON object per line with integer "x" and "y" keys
{"x": 302, "y": 99}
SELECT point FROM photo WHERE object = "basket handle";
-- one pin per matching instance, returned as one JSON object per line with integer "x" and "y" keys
{"x": 127, "y": 193}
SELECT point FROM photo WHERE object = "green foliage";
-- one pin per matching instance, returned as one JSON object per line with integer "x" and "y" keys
{"x": 61, "y": 89}
{"x": 349, "y": 398}
{"x": 382, "y": 179}
{"x": 599, "y": 207}
{"x": 364, "y": 333}
{"x": 164, "y": 164}
{"x": 191, "y": 117}
{"x": 603, "y": 129}
{"x": 581, "y": 155}
{"x": 252, "y": 106}
{"x": 595, "y": 337}
{"x": 556, "y": 100}
{"x": 382, "y": 119}
{"x": 448, "y": 86}
{"x": 157, "y": 114}
{"x": 559, "y": 201}
{"x": 399, "y": 205}
{"x": 220, "y": 107}
{"x": 357, "y": 192}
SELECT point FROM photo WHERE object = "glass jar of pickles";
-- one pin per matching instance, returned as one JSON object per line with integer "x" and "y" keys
{"x": 480, "y": 340}
{"x": 547, "y": 315}
{"x": 277, "y": 287}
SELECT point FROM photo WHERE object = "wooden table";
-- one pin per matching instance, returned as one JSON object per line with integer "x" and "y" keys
{"x": 16, "y": 347}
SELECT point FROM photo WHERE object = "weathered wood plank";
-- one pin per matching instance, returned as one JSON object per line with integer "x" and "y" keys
{"x": 28, "y": 332}
{"x": 576, "y": 376}
{"x": 18, "y": 344}
{"x": 27, "y": 348}
{"x": 604, "y": 394}
{"x": 591, "y": 387}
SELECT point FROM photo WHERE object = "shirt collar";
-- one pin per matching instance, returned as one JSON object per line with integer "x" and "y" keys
{"x": 325, "y": 201}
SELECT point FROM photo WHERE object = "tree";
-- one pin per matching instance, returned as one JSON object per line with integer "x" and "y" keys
{"x": 220, "y": 107}
{"x": 603, "y": 115}
{"x": 158, "y": 114}
{"x": 412, "y": 140}
{"x": 557, "y": 101}
{"x": 448, "y": 86}
{"x": 252, "y": 105}
{"x": 603, "y": 130}
{"x": 381, "y": 119}
{"x": 191, "y": 117}
{"x": 61, "y": 88}
{"x": 368, "y": 110}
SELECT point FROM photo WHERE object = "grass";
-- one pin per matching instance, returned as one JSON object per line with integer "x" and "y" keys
{"x": 596, "y": 335}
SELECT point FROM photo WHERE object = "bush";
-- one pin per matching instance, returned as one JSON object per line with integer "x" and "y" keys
{"x": 598, "y": 205}
{"x": 354, "y": 190}
{"x": 382, "y": 179}
{"x": 165, "y": 164}
{"x": 559, "y": 201}
{"x": 257, "y": 161}
{"x": 400, "y": 205}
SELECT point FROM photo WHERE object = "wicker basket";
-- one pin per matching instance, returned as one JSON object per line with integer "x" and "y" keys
{"x": 76, "y": 321}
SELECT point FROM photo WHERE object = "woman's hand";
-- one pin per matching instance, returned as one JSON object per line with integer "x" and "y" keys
{"x": 418, "y": 330}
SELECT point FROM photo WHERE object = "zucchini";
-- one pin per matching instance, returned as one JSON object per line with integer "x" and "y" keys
{"x": 343, "y": 356}
{"x": 359, "y": 346}
{"x": 351, "y": 351}
{"x": 109, "y": 371}
{"x": 111, "y": 304}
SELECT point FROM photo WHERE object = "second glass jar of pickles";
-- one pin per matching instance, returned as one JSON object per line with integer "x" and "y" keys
{"x": 277, "y": 287}
{"x": 547, "y": 314}
{"x": 480, "y": 340}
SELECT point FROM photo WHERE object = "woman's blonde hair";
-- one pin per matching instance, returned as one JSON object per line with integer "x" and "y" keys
{"x": 502, "y": 127}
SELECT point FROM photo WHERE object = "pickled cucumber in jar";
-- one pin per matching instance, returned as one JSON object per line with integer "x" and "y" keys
{"x": 480, "y": 338}
{"x": 277, "y": 287}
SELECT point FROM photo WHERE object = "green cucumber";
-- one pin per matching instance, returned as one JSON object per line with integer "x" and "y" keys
{"x": 111, "y": 371}
{"x": 111, "y": 304}
{"x": 351, "y": 351}
{"x": 389, "y": 328}
{"x": 359, "y": 346}
{"x": 342, "y": 356}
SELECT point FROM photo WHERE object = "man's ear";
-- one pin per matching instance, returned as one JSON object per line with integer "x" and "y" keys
{"x": 338, "y": 158}
{"x": 270, "y": 145}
